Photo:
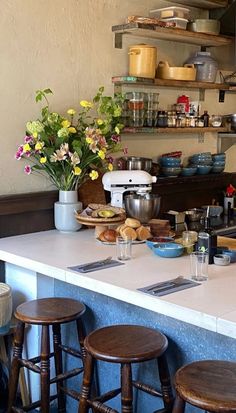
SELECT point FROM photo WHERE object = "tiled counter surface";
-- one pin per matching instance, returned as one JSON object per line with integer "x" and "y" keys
{"x": 211, "y": 306}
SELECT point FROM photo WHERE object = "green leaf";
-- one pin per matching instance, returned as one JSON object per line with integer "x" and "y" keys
{"x": 48, "y": 91}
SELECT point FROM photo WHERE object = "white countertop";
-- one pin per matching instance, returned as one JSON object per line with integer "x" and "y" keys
{"x": 212, "y": 305}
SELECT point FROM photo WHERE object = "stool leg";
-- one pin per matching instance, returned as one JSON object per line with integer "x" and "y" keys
{"x": 81, "y": 336}
{"x": 126, "y": 388}
{"x": 179, "y": 405}
{"x": 87, "y": 382}
{"x": 166, "y": 387}
{"x": 45, "y": 370}
{"x": 58, "y": 365}
{"x": 15, "y": 366}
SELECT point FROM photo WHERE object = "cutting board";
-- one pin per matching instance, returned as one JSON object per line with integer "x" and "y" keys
{"x": 226, "y": 242}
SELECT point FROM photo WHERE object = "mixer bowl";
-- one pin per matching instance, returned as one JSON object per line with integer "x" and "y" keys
{"x": 142, "y": 207}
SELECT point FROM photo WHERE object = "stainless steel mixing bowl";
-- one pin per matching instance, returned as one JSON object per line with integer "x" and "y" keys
{"x": 142, "y": 207}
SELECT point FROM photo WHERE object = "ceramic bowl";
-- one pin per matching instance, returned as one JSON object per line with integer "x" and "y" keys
{"x": 231, "y": 254}
{"x": 171, "y": 171}
{"x": 218, "y": 163}
{"x": 203, "y": 169}
{"x": 221, "y": 259}
{"x": 196, "y": 161}
{"x": 170, "y": 162}
{"x": 158, "y": 241}
{"x": 168, "y": 250}
{"x": 189, "y": 171}
{"x": 219, "y": 156}
{"x": 217, "y": 169}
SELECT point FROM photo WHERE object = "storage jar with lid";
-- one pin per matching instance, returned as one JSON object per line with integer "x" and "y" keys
{"x": 142, "y": 60}
{"x": 206, "y": 66}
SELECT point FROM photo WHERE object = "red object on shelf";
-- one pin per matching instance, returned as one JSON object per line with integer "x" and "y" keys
{"x": 185, "y": 100}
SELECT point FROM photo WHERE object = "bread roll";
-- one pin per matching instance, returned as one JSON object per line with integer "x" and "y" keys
{"x": 108, "y": 235}
{"x": 129, "y": 233}
{"x": 143, "y": 233}
{"x": 133, "y": 223}
{"x": 120, "y": 227}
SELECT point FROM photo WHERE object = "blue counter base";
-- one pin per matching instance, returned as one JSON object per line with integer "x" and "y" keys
{"x": 186, "y": 343}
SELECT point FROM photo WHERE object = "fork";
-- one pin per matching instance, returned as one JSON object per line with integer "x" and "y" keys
{"x": 175, "y": 281}
{"x": 96, "y": 263}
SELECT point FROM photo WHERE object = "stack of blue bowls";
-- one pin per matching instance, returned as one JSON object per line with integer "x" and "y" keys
{"x": 170, "y": 166}
{"x": 218, "y": 163}
{"x": 202, "y": 161}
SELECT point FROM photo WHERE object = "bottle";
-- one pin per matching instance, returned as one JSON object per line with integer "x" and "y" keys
{"x": 205, "y": 118}
{"x": 229, "y": 200}
{"x": 207, "y": 240}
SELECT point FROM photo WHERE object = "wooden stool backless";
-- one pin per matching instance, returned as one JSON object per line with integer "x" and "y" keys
{"x": 209, "y": 385}
{"x": 125, "y": 344}
{"x": 46, "y": 312}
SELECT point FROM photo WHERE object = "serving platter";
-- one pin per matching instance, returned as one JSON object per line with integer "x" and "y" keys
{"x": 135, "y": 242}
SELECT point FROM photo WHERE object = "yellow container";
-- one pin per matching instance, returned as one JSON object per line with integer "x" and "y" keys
{"x": 187, "y": 72}
{"x": 142, "y": 60}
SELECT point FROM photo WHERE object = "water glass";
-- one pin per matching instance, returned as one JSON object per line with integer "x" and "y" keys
{"x": 123, "y": 248}
{"x": 199, "y": 266}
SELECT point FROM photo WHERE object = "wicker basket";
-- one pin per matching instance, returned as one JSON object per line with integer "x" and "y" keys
{"x": 5, "y": 306}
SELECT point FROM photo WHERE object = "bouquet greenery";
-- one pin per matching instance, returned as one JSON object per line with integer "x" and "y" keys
{"x": 71, "y": 150}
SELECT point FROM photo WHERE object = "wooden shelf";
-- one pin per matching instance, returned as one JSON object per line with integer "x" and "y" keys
{"x": 168, "y": 33}
{"x": 203, "y": 4}
{"x": 171, "y": 83}
{"x": 131, "y": 130}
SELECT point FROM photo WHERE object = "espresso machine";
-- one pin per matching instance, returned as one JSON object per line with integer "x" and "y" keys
{"x": 120, "y": 182}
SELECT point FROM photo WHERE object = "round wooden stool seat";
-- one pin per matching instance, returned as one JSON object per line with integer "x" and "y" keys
{"x": 208, "y": 384}
{"x": 51, "y": 310}
{"x": 125, "y": 343}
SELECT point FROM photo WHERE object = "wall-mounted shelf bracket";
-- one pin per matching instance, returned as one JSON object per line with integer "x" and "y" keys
{"x": 118, "y": 40}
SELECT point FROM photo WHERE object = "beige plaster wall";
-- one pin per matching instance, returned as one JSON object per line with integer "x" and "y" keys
{"x": 67, "y": 45}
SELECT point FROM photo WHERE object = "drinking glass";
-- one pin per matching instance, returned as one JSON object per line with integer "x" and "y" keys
{"x": 199, "y": 266}
{"x": 123, "y": 248}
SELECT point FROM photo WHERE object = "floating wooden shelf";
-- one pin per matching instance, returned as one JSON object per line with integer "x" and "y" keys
{"x": 168, "y": 33}
{"x": 173, "y": 83}
{"x": 204, "y": 4}
{"x": 172, "y": 130}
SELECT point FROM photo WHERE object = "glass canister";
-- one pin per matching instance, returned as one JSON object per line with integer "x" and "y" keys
{"x": 162, "y": 119}
{"x": 206, "y": 66}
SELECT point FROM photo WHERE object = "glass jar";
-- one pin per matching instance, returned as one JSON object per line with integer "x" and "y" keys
{"x": 162, "y": 119}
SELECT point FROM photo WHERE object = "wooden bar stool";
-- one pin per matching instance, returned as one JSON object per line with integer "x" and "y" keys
{"x": 125, "y": 344}
{"x": 46, "y": 312}
{"x": 209, "y": 385}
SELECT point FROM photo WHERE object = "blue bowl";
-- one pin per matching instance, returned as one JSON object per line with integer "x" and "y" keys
{"x": 218, "y": 163}
{"x": 219, "y": 156}
{"x": 203, "y": 169}
{"x": 158, "y": 241}
{"x": 171, "y": 171}
{"x": 231, "y": 253}
{"x": 168, "y": 250}
{"x": 189, "y": 171}
{"x": 202, "y": 155}
{"x": 201, "y": 162}
{"x": 169, "y": 162}
{"x": 217, "y": 169}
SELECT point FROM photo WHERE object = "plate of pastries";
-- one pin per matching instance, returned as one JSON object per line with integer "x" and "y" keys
{"x": 131, "y": 229}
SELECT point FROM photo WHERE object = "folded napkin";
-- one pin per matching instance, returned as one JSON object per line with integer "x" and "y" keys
{"x": 95, "y": 266}
{"x": 168, "y": 287}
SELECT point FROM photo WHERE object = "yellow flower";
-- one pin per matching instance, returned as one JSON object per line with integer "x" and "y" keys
{"x": 72, "y": 129}
{"x": 65, "y": 123}
{"x": 110, "y": 167}
{"x": 101, "y": 154}
{"x": 100, "y": 122}
{"x": 86, "y": 104}
{"x": 93, "y": 175}
{"x": 77, "y": 170}
{"x": 35, "y": 134}
{"x": 71, "y": 112}
{"x": 117, "y": 130}
{"x": 39, "y": 146}
{"x": 89, "y": 140}
{"x": 43, "y": 159}
{"x": 26, "y": 147}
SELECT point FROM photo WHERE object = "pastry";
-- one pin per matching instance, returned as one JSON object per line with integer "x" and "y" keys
{"x": 109, "y": 235}
{"x": 120, "y": 227}
{"x": 143, "y": 233}
{"x": 133, "y": 223}
{"x": 129, "y": 233}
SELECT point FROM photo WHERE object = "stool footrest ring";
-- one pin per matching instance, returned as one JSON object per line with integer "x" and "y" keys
{"x": 30, "y": 365}
{"x": 107, "y": 396}
{"x": 146, "y": 388}
{"x": 67, "y": 375}
{"x": 71, "y": 351}
{"x": 102, "y": 408}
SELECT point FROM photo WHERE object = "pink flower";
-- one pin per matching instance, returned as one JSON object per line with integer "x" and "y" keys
{"x": 115, "y": 138}
{"x": 110, "y": 159}
{"x": 19, "y": 153}
{"x": 125, "y": 151}
{"x": 27, "y": 169}
{"x": 28, "y": 139}
{"x": 28, "y": 154}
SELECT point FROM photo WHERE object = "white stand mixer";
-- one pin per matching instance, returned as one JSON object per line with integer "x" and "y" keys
{"x": 119, "y": 182}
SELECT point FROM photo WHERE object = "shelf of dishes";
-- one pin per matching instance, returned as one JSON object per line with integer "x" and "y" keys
{"x": 168, "y": 33}
{"x": 184, "y": 84}
{"x": 133, "y": 130}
